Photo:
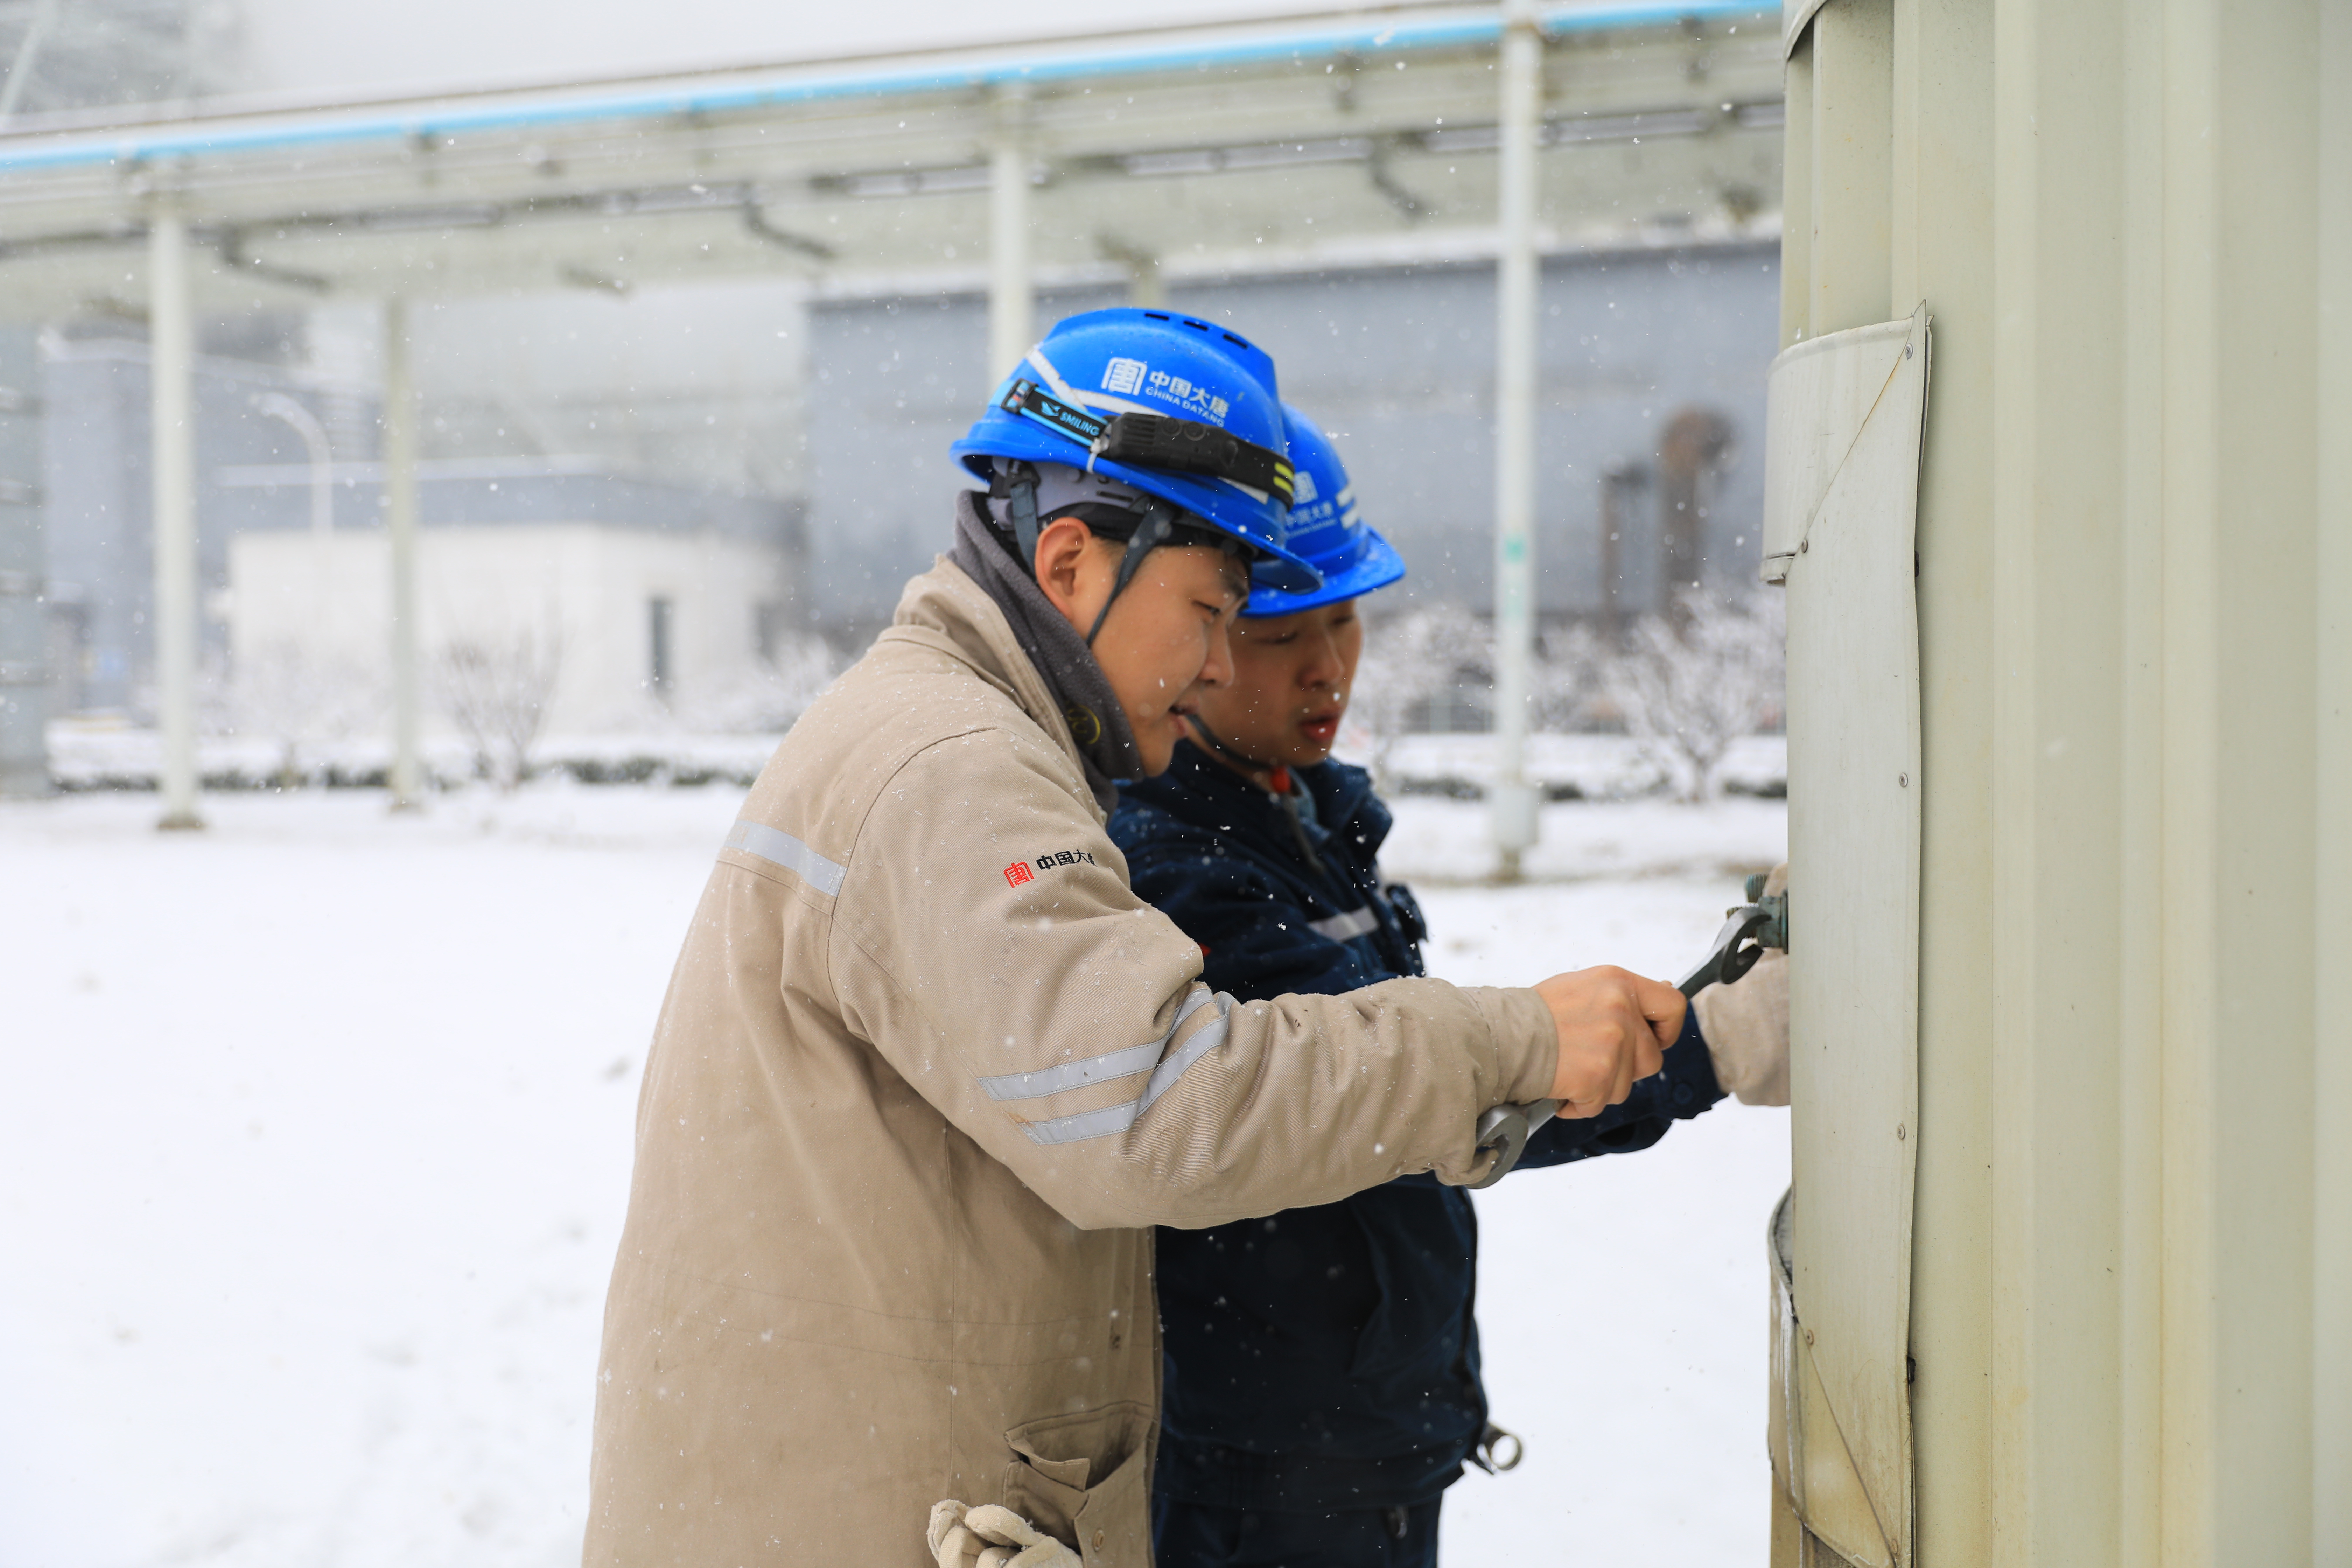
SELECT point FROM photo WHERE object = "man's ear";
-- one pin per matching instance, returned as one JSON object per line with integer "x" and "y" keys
{"x": 1062, "y": 548}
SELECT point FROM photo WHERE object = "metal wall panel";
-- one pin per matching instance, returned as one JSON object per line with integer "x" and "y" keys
{"x": 1853, "y": 830}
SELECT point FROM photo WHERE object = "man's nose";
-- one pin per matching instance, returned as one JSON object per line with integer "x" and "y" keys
{"x": 1217, "y": 670}
{"x": 1325, "y": 668}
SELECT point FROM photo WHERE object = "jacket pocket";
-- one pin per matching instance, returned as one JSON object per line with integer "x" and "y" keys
{"x": 1082, "y": 1478}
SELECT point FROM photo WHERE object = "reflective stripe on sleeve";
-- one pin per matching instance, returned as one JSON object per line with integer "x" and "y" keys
{"x": 1093, "y": 1069}
{"x": 784, "y": 850}
{"x": 1355, "y": 922}
{"x": 1112, "y": 1118}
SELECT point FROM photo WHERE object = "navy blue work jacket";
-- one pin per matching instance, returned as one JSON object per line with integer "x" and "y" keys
{"x": 1326, "y": 1357}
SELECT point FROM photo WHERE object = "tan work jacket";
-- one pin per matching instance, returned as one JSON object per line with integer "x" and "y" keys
{"x": 926, "y": 1071}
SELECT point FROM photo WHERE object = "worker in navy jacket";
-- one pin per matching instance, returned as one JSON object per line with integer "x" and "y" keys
{"x": 1322, "y": 1385}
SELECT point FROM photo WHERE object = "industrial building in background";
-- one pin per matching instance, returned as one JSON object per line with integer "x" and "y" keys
{"x": 1400, "y": 364}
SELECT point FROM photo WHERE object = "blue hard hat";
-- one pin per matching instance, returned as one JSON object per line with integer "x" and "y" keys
{"x": 1326, "y": 528}
{"x": 1178, "y": 407}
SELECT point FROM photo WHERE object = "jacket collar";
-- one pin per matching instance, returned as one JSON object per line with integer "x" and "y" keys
{"x": 945, "y": 610}
{"x": 1081, "y": 690}
{"x": 1343, "y": 797}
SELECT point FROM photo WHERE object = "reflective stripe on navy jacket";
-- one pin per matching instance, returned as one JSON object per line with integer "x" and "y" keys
{"x": 1325, "y": 1357}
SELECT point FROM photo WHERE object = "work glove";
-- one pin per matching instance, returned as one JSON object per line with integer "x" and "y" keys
{"x": 1747, "y": 1022}
{"x": 993, "y": 1537}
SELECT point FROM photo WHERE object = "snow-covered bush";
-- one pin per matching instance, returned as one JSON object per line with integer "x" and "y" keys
{"x": 303, "y": 703}
{"x": 1691, "y": 686}
{"x": 1567, "y": 674}
{"x": 497, "y": 693}
{"x": 1409, "y": 658}
{"x": 772, "y": 696}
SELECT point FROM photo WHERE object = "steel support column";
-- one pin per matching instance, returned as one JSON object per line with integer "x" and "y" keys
{"x": 23, "y": 572}
{"x": 1011, "y": 305}
{"x": 172, "y": 402}
{"x": 400, "y": 533}
{"x": 1514, "y": 802}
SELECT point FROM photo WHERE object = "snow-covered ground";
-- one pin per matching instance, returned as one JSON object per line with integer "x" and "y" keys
{"x": 316, "y": 1136}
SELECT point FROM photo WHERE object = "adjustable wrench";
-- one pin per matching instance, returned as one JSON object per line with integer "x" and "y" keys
{"x": 1747, "y": 930}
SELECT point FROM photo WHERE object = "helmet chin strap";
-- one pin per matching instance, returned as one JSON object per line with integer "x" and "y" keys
{"x": 1019, "y": 486}
{"x": 1216, "y": 743}
{"x": 1158, "y": 527}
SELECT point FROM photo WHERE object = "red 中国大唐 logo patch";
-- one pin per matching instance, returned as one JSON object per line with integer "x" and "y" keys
{"x": 1022, "y": 871}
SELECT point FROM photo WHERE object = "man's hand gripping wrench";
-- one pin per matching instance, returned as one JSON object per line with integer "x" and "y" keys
{"x": 1750, "y": 928}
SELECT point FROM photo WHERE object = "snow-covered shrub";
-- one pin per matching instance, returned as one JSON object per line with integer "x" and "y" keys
{"x": 1409, "y": 658}
{"x": 300, "y": 701}
{"x": 769, "y": 698}
{"x": 1566, "y": 674}
{"x": 497, "y": 693}
{"x": 1691, "y": 686}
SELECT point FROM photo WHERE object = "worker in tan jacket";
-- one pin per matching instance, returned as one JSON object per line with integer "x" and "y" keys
{"x": 928, "y": 1071}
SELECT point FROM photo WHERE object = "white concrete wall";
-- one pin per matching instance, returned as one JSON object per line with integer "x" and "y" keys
{"x": 587, "y": 583}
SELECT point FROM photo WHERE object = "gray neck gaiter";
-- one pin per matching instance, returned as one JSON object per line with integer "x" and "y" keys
{"x": 1098, "y": 724}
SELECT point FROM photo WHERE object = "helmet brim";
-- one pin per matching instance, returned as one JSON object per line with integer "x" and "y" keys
{"x": 1204, "y": 499}
{"x": 1377, "y": 566}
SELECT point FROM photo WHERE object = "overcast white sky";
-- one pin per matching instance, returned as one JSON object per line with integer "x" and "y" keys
{"x": 325, "y": 47}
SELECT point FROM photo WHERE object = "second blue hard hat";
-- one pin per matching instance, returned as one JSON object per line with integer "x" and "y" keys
{"x": 1326, "y": 529}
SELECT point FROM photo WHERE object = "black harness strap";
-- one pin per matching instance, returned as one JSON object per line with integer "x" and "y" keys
{"x": 1033, "y": 402}
{"x": 1016, "y": 484}
{"x": 1024, "y": 506}
{"x": 1157, "y": 441}
{"x": 1190, "y": 446}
